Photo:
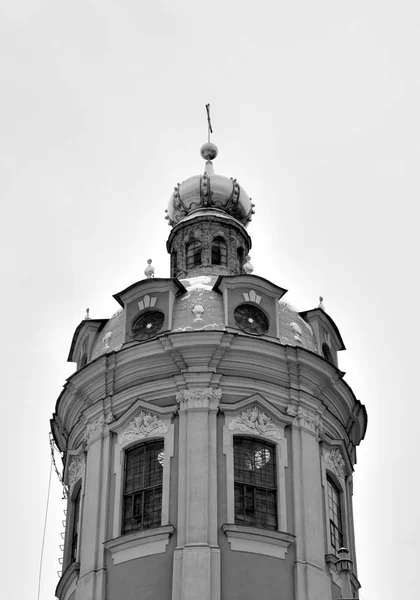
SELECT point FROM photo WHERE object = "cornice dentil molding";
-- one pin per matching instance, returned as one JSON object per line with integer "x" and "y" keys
{"x": 76, "y": 471}
{"x": 199, "y": 398}
{"x": 257, "y": 422}
{"x": 336, "y": 462}
{"x": 144, "y": 425}
{"x": 305, "y": 418}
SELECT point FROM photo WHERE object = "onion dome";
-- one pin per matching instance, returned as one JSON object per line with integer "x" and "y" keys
{"x": 209, "y": 191}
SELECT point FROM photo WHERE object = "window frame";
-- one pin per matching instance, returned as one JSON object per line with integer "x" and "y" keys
{"x": 340, "y": 480}
{"x": 141, "y": 446}
{"x": 196, "y": 254}
{"x": 218, "y": 244}
{"x": 253, "y": 444}
{"x": 267, "y": 542}
{"x": 335, "y": 518}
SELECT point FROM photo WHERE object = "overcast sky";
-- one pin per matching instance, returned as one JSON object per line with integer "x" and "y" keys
{"x": 315, "y": 110}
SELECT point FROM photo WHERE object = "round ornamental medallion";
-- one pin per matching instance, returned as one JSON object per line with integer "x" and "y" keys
{"x": 148, "y": 325}
{"x": 251, "y": 319}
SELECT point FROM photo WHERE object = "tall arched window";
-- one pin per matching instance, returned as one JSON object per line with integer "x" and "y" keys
{"x": 255, "y": 483}
{"x": 334, "y": 510}
{"x": 193, "y": 253}
{"x": 75, "y": 525}
{"x": 241, "y": 257}
{"x": 219, "y": 252}
{"x": 142, "y": 505}
{"x": 174, "y": 263}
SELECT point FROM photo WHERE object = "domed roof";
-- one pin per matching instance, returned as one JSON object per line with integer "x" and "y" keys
{"x": 209, "y": 191}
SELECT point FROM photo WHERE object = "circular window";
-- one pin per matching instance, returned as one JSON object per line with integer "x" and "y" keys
{"x": 251, "y": 319}
{"x": 148, "y": 325}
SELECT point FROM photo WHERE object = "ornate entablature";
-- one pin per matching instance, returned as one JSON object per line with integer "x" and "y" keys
{"x": 144, "y": 425}
{"x": 255, "y": 422}
{"x": 75, "y": 471}
{"x": 199, "y": 398}
{"x": 305, "y": 418}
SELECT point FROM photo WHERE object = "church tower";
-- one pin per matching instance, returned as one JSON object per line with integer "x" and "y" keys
{"x": 208, "y": 435}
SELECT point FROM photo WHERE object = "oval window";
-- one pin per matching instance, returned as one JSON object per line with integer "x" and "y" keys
{"x": 148, "y": 325}
{"x": 251, "y": 319}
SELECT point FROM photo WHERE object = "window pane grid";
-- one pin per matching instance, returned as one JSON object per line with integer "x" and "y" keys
{"x": 255, "y": 483}
{"x": 143, "y": 487}
{"x": 193, "y": 254}
{"x": 219, "y": 252}
{"x": 334, "y": 508}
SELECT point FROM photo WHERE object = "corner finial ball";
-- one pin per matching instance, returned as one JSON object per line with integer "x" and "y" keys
{"x": 209, "y": 151}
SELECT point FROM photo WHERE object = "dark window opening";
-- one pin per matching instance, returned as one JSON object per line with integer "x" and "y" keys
{"x": 75, "y": 526}
{"x": 334, "y": 509}
{"x": 219, "y": 252}
{"x": 142, "y": 504}
{"x": 255, "y": 483}
{"x": 241, "y": 258}
{"x": 174, "y": 264}
{"x": 193, "y": 254}
{"x": 326, "y": 351}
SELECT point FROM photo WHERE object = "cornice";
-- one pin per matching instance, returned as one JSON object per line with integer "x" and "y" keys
{"x": 232, "y": 355}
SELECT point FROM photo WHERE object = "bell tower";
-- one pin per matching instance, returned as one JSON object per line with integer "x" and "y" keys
{"x": 208, "y": 437}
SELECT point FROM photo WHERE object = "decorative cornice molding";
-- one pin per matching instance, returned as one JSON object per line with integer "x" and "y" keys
{"x": 306, "y": 419}
{"x": 257, "y": 422}
{"x": 335, "y": 461}
{"x": 76, "y": 471}
{"x": 145, "y": 425}
{"x": 199, "y": 398}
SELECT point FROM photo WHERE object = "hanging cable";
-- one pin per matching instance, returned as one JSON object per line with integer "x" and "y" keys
{"x": 45, "y": 528}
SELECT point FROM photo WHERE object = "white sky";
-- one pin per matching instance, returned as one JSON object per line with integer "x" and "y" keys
{"x": 315, "y": 109}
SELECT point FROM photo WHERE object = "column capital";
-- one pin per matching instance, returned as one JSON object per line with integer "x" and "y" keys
{"x": 199, "y": 398}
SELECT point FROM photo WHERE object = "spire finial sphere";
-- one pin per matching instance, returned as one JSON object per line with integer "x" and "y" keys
{"x": 209, "y": 151}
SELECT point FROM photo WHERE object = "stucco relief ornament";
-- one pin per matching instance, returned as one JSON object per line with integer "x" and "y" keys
{"x": 255, "y": 421}
{"x": 76, "y": 470}
{"x": 199, "y": 398}
{"x": 144, "y": 425}
{"x": 94, "y": 431}
{"x": 336, "y": 462}
{"x": 305, "y": 418}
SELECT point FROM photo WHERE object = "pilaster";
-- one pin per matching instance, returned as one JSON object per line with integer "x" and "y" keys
{"x": 196, "y": 572}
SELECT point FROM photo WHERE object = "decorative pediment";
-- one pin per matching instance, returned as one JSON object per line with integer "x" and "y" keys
{"x": 255, "y": 421}
{"x": 144, "y": 425}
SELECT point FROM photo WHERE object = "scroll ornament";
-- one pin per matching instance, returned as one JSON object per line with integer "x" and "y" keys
{"x": 305, "y": 418}
{"x": 255, "y": 421}
{"x": 76, "y": 470}
{"x": 335, "y": 461}
{"x": 145, "y": 425}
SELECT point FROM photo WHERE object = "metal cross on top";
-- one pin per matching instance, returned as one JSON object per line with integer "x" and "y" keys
{"x": 210, "y": 130}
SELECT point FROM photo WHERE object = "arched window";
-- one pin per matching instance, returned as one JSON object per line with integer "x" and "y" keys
{"x": 219, "y": 252}
{"x": 326, "y": 351}
{"x": 75, "y": 525}
{"x": 334, "y": 511}
{"x": 255, "y": 483}
{"x": 142, "y": 504}
{"x": 193, "y": 254}
{"x": 241, "y": 256}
